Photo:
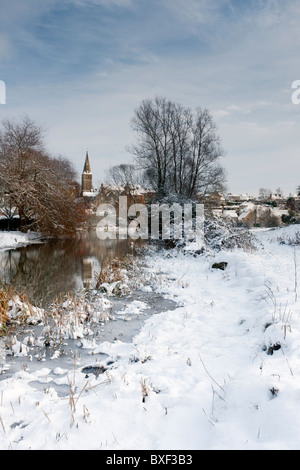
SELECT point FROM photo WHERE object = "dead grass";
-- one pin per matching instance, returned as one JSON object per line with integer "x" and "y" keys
{"x": 121, "y": 268}
{"x": 115, "y": 270}
{"x": 111, "y": 271}
{"x": 4, "y": 299}
{"x": 15, "y": 309}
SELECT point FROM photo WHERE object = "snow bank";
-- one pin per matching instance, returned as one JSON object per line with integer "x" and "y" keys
{"x": 221, "y": 371}
{"x": 10, "y": 240}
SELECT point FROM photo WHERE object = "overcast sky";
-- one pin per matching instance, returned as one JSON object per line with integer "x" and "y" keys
{"x": 81, "y": 67}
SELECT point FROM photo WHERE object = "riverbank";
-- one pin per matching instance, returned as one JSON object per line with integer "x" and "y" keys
{"x": 12, "y": 240}
{"x": 221, "y": 371}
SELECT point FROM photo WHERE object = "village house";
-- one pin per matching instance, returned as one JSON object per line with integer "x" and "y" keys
{"x": 260, "y": 215}
{"x": 214, "y": 200}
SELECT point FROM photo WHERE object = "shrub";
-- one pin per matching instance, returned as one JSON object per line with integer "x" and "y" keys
{"x": 221, "y": 234}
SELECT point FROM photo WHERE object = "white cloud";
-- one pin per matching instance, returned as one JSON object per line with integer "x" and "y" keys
{"x": 241, "y": 74}
{"x": 195, "y": 11}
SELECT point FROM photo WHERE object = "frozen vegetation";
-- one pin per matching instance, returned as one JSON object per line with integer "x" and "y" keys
{"x": 220, "y": 371}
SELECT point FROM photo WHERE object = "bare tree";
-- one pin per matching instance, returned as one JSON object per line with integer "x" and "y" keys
{"x": 123, "y": 176}
{"x": 152, "y": 123}
{"x": 39, "y": 188}
{"x": 265, "y": 193}
{"x": 179, "y": 150}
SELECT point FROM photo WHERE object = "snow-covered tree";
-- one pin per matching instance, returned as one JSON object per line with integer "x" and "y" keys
{"x": 40, "y": 188}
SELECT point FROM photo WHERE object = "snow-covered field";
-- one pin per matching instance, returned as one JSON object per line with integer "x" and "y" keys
{"x": 221, "y": 371}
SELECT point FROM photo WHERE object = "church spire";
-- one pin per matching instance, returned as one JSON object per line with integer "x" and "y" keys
{"x": 87, "y": 177}
{"x": 87, "y": 166}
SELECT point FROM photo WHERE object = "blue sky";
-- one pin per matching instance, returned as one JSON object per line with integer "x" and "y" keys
{"x": 80, "y": 67}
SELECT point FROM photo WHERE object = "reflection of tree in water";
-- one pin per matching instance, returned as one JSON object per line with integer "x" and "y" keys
{"x": 45, "y": 271}
{"x": 9, "y": 261}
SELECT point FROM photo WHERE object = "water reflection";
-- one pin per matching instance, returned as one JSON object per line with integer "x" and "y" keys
{"x": 47, "y": 270}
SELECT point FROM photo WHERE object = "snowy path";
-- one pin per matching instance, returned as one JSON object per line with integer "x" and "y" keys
{"x": 198, "y": 377}
{"x": 246, "y": 395}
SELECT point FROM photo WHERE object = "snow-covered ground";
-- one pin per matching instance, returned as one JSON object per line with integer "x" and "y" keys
{"x": 11, "y": 240}
{"x": 221, "y": 371}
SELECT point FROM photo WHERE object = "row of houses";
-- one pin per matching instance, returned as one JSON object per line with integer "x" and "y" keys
{"x": 240, "y": 210}
{"x": 250, "y": 211}
{"x": 266, "y": 210}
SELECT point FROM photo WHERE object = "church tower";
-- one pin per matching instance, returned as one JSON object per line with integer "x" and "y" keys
{"x": 87, "y": 177}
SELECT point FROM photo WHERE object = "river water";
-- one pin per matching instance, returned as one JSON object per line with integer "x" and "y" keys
{"x": 49, "y": 270}
{"x": 45, "y": 271}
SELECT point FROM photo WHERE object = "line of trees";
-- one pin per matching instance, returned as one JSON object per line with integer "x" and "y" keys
{"x": 40, "y": 189}
{"x": 177, "y": 151}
